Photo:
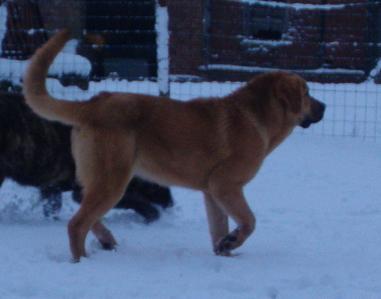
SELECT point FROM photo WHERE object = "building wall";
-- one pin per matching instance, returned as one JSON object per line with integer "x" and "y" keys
{"x": 232, "y": 40}
{"x": 323, "y": 45}
{"x": 186, "y": 36}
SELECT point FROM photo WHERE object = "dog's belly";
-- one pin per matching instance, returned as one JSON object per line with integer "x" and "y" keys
{"x": 170, "y": 175}
{"x": 159, "y": 179}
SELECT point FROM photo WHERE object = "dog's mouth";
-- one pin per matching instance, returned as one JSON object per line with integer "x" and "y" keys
{"x": 316, "y": 115}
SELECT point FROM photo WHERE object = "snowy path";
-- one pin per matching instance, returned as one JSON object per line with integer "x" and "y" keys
{"x": 318, "y": 205}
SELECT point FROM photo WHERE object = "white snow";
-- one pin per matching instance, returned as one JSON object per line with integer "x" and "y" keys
{"x": 297, "y": 6}
{"x": 3, "y": 23}
{"x": 261, "y": 45}
{"x": 12, "y": 70}
{"x": 68, "y": 63}
{"x": 162, "y": 32}
{"x": 256, "y": 69}
{"x": 65, "y": 63}
{"x": 317, "y": 202}
{"x": 33, "y": 31}
{"x": 265, "y": 42}
{"x": 71, "y": 46}
{"x": 376, "y": 70}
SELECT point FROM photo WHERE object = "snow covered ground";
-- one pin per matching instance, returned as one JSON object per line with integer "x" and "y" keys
{"x": 317, "y": 201}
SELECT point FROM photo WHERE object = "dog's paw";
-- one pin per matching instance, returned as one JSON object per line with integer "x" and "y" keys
{"x": 77, "y": 259}
{"x": 219, "y": 252}
{"x": 225, "y": 245}
{"x": 150, "y": 213}
{"x": 105, "y": 237}
{"x": 111, "y": 245}
{"x": 74, "y": 260}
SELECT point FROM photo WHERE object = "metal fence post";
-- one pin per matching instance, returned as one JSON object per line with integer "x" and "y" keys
{"x": 162, "y": 46}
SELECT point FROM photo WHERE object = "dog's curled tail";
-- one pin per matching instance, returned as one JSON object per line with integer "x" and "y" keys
{"x": 34, "y": 85}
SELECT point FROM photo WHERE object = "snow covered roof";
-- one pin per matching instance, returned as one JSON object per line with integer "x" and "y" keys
{"x": 297, "y": 6}
{"x": 255, "y": 69}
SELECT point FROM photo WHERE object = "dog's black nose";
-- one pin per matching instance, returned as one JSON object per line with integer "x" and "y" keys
{"x": 319, "y": 111}
{"x": 316, "y": 114}
{"x": 322, "y": 107}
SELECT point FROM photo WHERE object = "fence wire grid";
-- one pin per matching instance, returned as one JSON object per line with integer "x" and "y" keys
{"x": 213, "y": 47}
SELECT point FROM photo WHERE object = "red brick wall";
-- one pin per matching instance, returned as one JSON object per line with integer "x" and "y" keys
{"x": 330, "y": 39}
{"x": 186, "y": 31}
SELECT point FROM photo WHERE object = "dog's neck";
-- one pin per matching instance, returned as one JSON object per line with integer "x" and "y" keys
{"x": 276, "y": 127}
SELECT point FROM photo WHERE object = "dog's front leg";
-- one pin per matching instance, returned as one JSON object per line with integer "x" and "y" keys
{"x": 217, "y": 220}
{"x": 233, "y": 203}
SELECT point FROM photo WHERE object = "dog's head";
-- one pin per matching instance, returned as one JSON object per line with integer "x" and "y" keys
{"x": 292, "y": 92}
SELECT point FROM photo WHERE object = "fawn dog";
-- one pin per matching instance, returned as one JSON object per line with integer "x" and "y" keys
{"x": 215, "y": 145}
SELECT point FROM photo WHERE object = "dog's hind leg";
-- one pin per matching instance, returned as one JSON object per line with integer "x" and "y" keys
{"x": 217, "y": 220}
{"x": 100, "y": 231}
{"x": 96, "y": 202}
{"x": 103, "y": 164}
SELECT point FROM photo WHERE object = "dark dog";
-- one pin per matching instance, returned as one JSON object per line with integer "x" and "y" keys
{"x": 215, "y": 145}
{"x": 36, "y": 152}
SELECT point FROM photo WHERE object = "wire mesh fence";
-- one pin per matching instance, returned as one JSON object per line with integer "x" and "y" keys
{"x": 213, "y": 47}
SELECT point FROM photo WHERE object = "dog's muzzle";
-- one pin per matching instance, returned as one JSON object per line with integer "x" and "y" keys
{"x": 316, "y": 115}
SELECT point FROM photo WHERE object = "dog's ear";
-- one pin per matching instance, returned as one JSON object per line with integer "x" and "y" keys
{"x": 289, "y": 91}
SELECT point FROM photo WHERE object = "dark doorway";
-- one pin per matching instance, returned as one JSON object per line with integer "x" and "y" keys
{"x": 121, "y": 37}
